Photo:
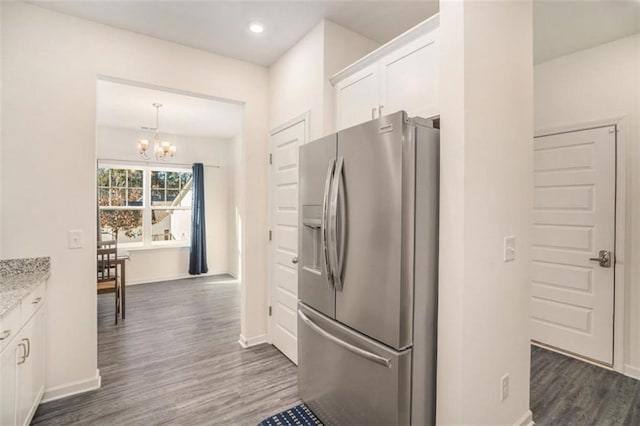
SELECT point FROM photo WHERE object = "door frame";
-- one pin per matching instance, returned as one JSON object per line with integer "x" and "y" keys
{"x": 620, "y": 281}
{"x": 304, "y": 117}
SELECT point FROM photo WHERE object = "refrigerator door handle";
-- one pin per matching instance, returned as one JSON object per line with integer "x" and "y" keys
{"x": 333, "y": 225}
{"x": 348, "y": 346}
{"x": 323, "y": 224}
{"x": 343, "y": 220}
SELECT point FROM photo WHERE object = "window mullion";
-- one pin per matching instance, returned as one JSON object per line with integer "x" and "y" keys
{"x": 146, "y": 220}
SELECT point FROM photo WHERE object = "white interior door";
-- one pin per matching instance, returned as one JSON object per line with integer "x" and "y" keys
{"x": 573, "y": 219}
{"x": 283, "y": 280}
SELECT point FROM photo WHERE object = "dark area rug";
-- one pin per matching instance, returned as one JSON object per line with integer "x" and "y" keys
{"x": 298, "y": 415}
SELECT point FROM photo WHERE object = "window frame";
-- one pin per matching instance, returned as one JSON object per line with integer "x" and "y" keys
{"x": 147, "y": 208}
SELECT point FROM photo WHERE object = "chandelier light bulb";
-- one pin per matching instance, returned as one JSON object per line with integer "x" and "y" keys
{"x": 160, "y": 148}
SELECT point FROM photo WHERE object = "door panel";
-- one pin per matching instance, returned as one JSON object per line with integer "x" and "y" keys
{"x": 284, "y": 245}
{"x": 316, "y": 163}
{"x": 409, "y": 78}
{"x": 368, "y": 385}
{"x": 574, "y": 218}
{"x": 373, "y": 299}
{"x": 357, "y": 97}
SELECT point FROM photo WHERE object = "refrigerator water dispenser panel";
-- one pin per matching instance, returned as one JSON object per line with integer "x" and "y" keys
{"x": 311, "y": 259}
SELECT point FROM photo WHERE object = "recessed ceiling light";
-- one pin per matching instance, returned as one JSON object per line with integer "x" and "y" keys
{"x": 256, "y": 27}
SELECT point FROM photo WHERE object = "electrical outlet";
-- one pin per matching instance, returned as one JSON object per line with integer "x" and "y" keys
{"x": 504, "y": 387}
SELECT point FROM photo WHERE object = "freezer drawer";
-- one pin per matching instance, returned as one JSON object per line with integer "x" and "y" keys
{"x": 349, "y": 379}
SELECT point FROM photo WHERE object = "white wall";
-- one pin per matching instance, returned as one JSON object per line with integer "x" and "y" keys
{"x": 486, "y": 194}
{"x": 299, "y": 80}
{"x": 295, "y": 83}
{"x": 592, "y": 85}
{"x": 120, "y": 144}
{"x": 50, "y": 65}
{"x": 1, "y": 31}
{"x": 234, "y": 219}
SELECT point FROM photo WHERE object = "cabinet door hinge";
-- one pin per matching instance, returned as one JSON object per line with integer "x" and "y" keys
{"x": 270, "y": 235}
{"x": 269, "y": 310}
{"x": 270, "y": 158}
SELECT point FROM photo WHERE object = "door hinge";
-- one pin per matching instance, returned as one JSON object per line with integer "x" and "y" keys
{"x": 269, "y": 310}
{"x": 270, "y": 235}
{"x": 270, "y": 158}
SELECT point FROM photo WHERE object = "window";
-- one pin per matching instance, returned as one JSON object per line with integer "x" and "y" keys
{"x": 170, "y": 205}
{"x": 144, "y": 206}
{"x": 120, "y": 200}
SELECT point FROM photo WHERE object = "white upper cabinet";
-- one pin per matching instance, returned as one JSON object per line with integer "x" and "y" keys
{"x": 409, "y": 78}
{"x": 357, "y": 97}
{"x": 401, "y": 75}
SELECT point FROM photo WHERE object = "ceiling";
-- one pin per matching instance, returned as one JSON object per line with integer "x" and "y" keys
{"x": 222, "y": 26}
{"x": 125, "y": 106}
{"x": 560, "y": 26}
{"x": 564, "y": 27}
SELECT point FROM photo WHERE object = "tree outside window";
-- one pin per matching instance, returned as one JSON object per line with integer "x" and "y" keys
{"x": 121, "y": 203}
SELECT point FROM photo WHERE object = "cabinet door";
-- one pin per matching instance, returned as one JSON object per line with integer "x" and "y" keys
{"x": 36, "y": 359}
{"x": 409, "y": 78}
{"x": 23, "y": 375}
{"x": 357, "y": 98}
{"x": 31, "y": 372}
{"x": 8, "y": 381}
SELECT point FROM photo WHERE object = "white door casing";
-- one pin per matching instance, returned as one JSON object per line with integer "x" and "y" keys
{"x": 283, "y": 214}
{"x": 572, "y": 305}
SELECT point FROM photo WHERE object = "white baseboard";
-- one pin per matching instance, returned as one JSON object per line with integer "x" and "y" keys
{"x": 174, "y": 277}
{"x": 525, "y": 420}
{"x": 73, "y": 388}
{"x": 631, "y": 371}
{"x": 252, "y": 341}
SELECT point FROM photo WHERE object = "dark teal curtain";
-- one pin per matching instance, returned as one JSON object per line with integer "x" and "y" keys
{"x": 198, "y": 252}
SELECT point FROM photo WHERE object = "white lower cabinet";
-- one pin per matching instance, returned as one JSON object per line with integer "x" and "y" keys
{"x": 22, "y": 364}
{"x": 8, "y": 392}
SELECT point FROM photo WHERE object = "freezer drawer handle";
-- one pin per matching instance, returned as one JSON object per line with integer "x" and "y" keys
{"x": 348, "y": 346}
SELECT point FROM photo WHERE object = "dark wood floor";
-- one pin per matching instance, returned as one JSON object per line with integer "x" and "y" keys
{"x": 176, "y": 360}
{"x": 565, "y": 391}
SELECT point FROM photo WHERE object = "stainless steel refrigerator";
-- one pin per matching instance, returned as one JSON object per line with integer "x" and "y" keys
{"x": 368, "y": 244}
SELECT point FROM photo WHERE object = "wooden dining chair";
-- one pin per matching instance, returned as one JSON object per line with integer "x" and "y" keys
{"x": 108, "y": 280}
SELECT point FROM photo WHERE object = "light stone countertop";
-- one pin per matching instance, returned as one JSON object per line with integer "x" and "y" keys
{"x": 18, "y": 278}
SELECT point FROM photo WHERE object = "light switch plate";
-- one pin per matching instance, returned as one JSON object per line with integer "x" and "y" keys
{"x": 509, "y": 248}
{"x": 75, "y": 239}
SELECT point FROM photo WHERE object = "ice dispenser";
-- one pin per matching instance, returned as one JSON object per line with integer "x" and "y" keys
{"x": 311, "y": 259}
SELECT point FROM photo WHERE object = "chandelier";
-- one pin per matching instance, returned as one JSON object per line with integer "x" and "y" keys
{"x": 162, "y": 150}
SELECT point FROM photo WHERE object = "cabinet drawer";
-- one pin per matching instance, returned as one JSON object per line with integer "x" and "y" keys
{"x": 31, "y": 303}
{"x": 9, "y": 326}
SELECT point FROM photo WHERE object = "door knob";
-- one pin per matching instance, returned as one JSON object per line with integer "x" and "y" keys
{"x": 294, "y": 260}
{"x": 604, "y": 258}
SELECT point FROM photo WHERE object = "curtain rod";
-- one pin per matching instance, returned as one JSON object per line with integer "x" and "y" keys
{"x": 152, "y": 163}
